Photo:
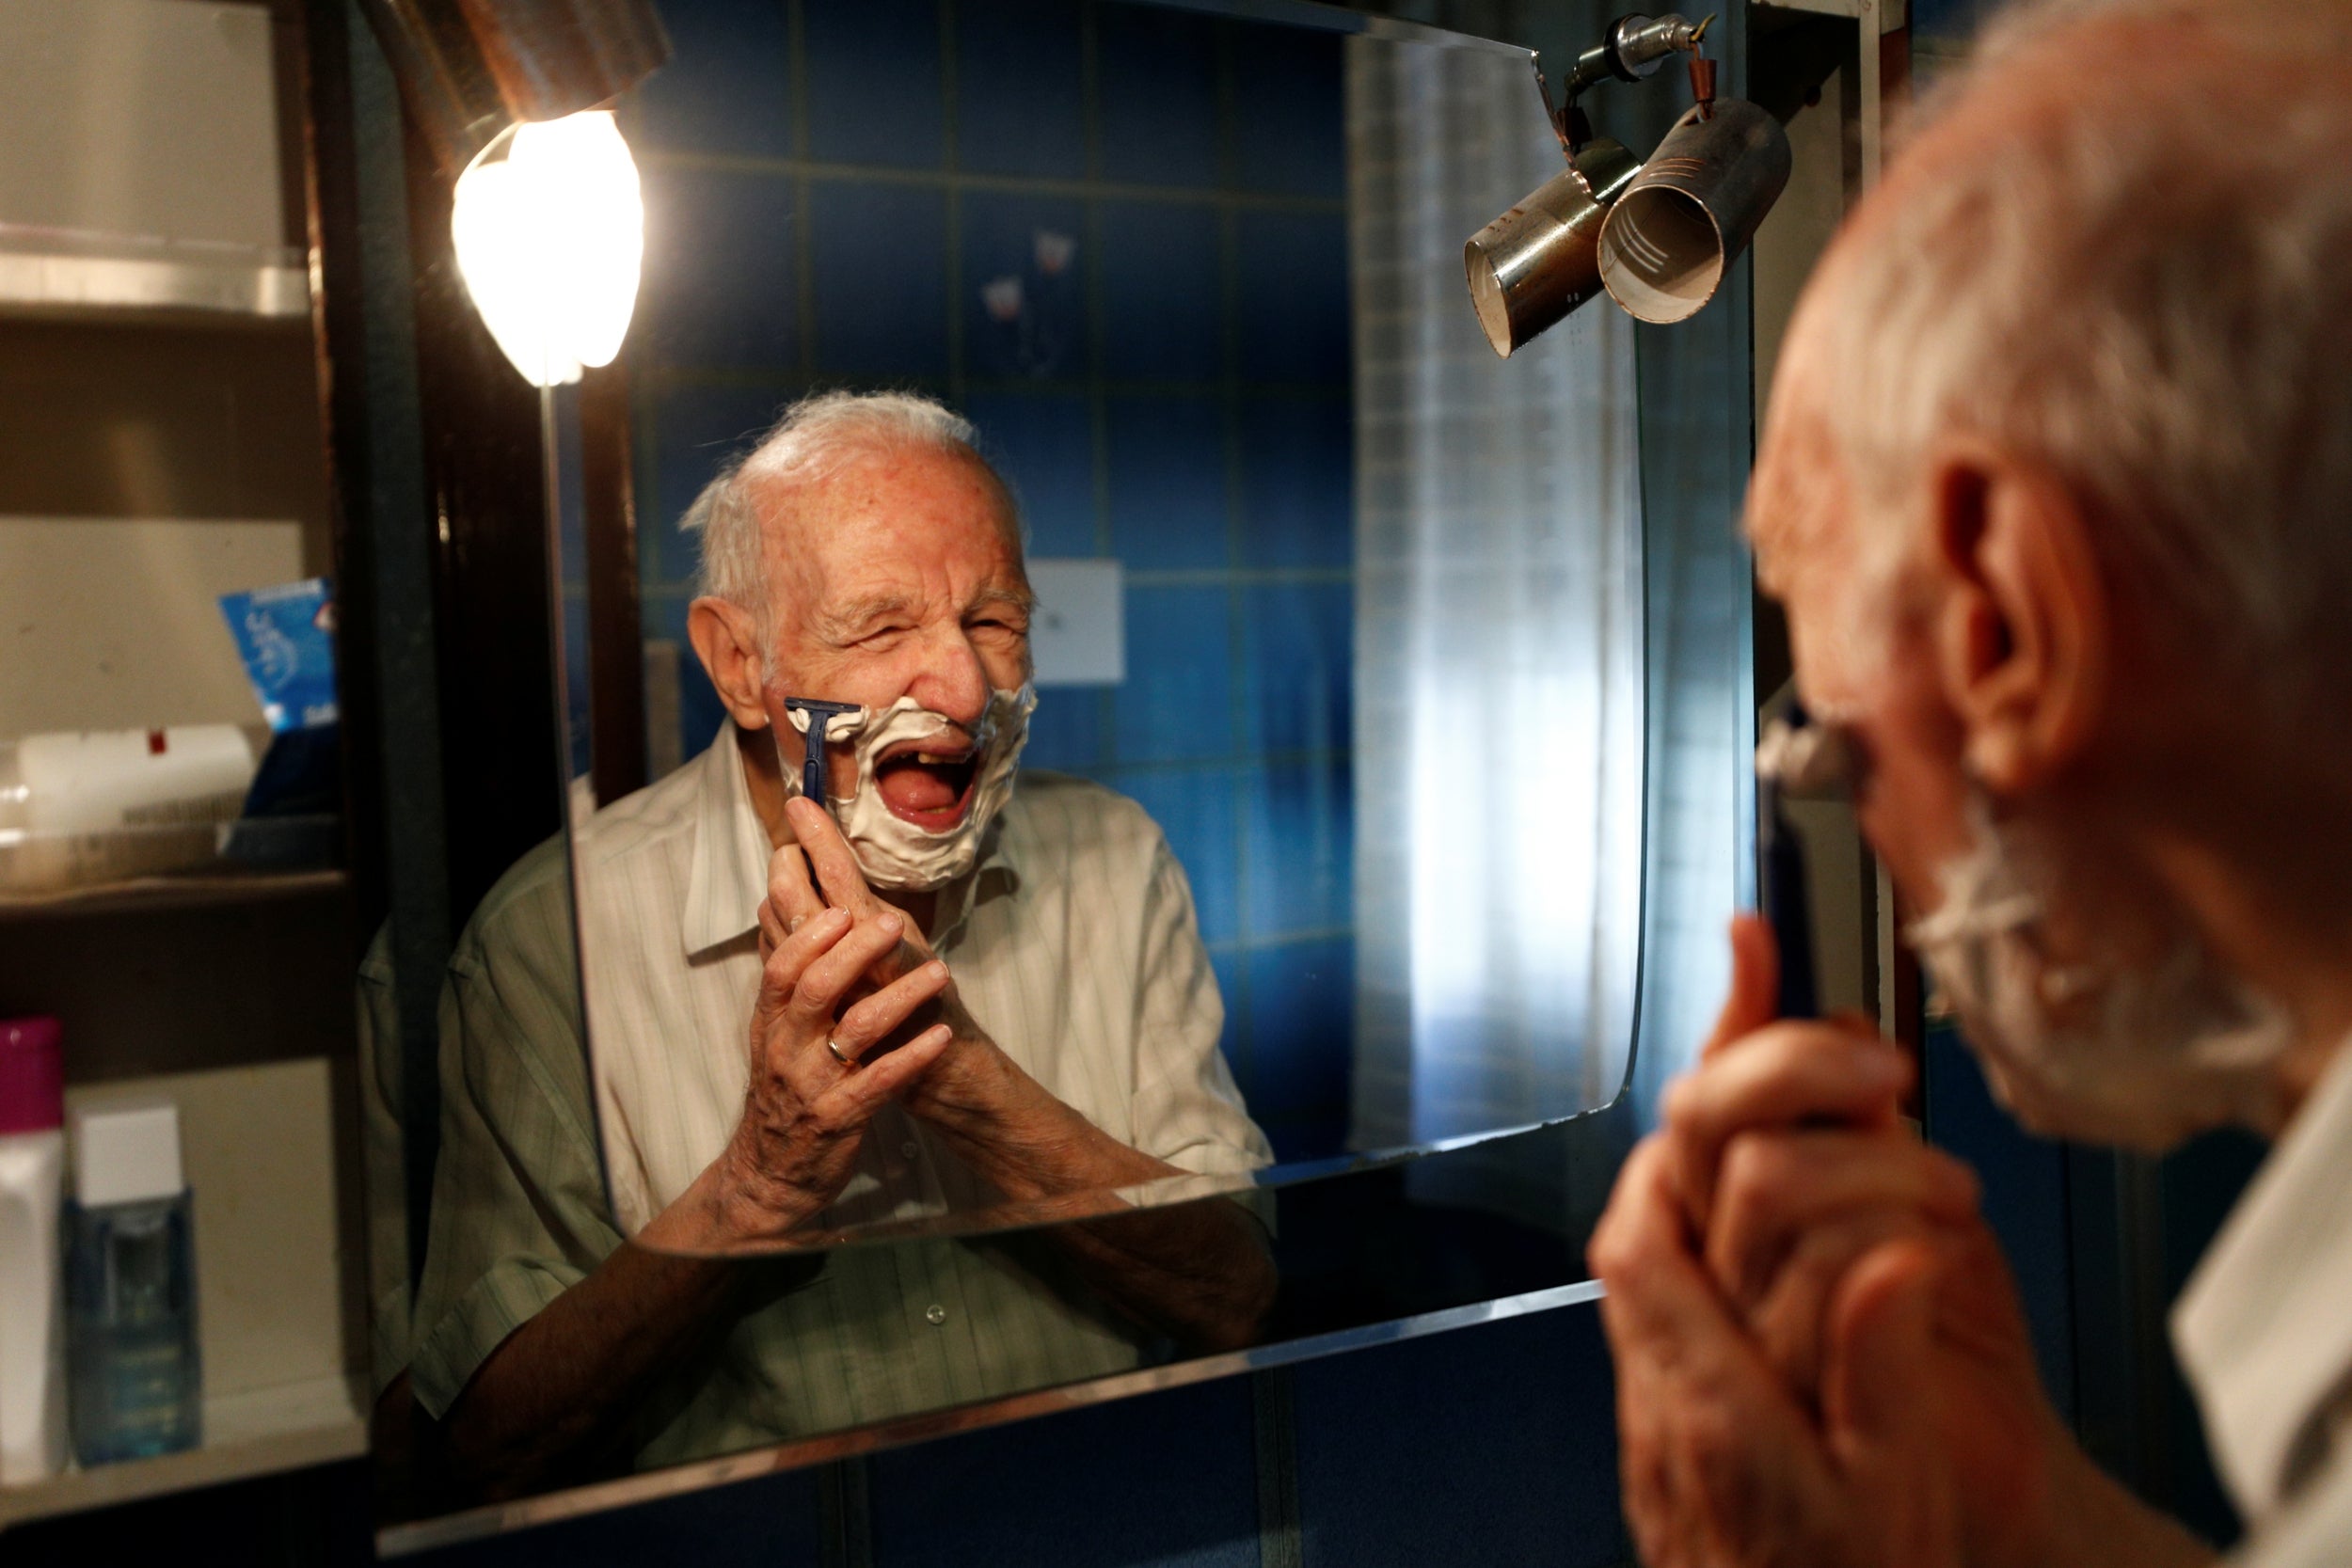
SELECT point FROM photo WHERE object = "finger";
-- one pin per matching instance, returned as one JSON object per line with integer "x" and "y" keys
{"x": 1754, "y": 999}
{"x": 1789, "y": 1319}
{"x": 1780, "y": 1075}
{"x": 1714, "y": 1423}
{"x": 1882, "y": 1331}
{"x": 858, "y": 1096}
{"x": 789, "y": 887}
{"x": 784, "y": 969}
{"x": 773, "y": 930}
{"x": 870, "y": 1022}
{"x": 829, "y": 854}
{"x": 824, "y": 982}
{"x": 1776, "y": 1187}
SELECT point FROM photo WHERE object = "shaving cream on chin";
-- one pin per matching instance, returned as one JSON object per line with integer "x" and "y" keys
{"x": 2143, "y": 1057}
{"x": 892, "y": 853}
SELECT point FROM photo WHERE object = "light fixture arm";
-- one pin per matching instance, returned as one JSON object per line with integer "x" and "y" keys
{"x": 1630, "y": 50}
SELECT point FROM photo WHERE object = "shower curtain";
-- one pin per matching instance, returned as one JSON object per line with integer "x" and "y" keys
{"x": 1499, "y": 638}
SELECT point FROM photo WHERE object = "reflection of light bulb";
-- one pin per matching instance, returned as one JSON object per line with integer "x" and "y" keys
{"x": 551, "y": 231}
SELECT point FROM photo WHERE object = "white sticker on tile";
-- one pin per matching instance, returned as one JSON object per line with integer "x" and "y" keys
{"x": 1079, "y": 634}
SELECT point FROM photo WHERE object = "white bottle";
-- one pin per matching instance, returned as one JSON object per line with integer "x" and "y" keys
{"x": 32, "y": 1299}
{"x": 97, "y": 807}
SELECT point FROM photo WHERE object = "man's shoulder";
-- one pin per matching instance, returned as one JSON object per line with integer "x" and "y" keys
{"x": 1061, "y": 814}
{"x": 648, "y": 819}
{"x": 528, "y": 907}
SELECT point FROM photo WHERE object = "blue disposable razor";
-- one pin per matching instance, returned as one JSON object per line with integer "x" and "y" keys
{"x": 813, "y": 766}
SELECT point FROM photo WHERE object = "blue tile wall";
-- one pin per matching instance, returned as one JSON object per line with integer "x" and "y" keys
{"x": 1292, "y": 288}
{"x": 1162, "y": 291}
{"x": 722, "y": 269}
{"x": 727, "y": 87}
{"x": 1177, "y": 704}
{"x": 1158, "y": 69}
{"x": 1114, "y": 236}
{"x": 874, "y": 83}
{"x": 1042, "y": 443}
{"x": 1297, "y": 482}
{"x": 878, "y": 256}
{"x": 1290, "y": 130}
{"x": 1024, "y": 286}
{"x": 1298, "y": 643}
{"x": 1066, "y": 732}
{"x": 1168, "y": 482}
{"x": 1302, "y": 1003}
{"x": 1298, "y": 839}
{"x": 1201, "y": 812}
{"x": 1020, "y": 88}
{"x": 697, "y": 430}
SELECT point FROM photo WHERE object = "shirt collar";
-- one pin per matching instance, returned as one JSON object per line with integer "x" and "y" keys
{"x": 729, "y": 874}
{"x": 2262, "y": 1328}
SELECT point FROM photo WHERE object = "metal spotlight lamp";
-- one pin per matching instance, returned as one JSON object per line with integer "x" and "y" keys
{"x": 1657, "y": 236}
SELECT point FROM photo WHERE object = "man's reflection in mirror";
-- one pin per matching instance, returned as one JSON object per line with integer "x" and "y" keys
{"x": 976, "y": 995}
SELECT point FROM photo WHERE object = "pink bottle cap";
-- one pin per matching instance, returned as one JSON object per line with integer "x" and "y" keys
{"x": 32, "y": 1075}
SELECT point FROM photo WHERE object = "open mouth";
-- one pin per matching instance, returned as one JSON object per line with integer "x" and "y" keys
{"x": 928, "y": 785}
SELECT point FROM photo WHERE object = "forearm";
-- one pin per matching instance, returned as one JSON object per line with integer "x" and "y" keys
{"x": 1198, "y": 1272}
{"x": 555, "y": 1400}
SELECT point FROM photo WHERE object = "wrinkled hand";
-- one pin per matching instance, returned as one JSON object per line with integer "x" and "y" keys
{"x": 1821, "y": 1358}
{"x": 971, "y": 1071}
{"x": 805, "y": 1111}
{"x": 1723, "y": 1462}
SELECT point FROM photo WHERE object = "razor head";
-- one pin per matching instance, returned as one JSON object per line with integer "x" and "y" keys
{"x": 812, "y": 716}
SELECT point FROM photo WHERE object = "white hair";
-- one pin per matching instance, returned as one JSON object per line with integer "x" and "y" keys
{"x": 2139, "y": 276}
{"x": 816, "y": 439}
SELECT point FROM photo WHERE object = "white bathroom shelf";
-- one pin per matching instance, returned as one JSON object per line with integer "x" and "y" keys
{"x": 136, "y": 277}
{"x": 193, "y": 890}
{"x": 258, "y": 1433}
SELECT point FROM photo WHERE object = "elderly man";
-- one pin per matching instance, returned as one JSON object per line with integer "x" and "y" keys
{"x": 779, "y": 1048}
{"x": 2056, "y": 490}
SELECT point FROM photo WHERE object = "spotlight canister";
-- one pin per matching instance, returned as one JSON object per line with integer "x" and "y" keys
{"x": 1666, "y": 241}
{"x": 1537, "y": 261}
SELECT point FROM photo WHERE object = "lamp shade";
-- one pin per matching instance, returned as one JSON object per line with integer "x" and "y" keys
{"x": 468, "y": 70}
{"x": 550, "y": 230}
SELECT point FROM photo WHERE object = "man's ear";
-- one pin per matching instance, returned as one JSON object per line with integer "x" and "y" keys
{"x": 727, "y": 640}
{"x": 2026, "y": 631}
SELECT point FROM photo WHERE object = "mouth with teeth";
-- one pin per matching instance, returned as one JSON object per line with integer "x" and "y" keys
{"x": 929, "y": 783}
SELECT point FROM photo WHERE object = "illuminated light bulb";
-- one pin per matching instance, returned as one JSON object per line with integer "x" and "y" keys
{"x": 550, "y": 234}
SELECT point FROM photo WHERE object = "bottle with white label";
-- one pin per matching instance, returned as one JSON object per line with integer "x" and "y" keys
{"x": 77, "y": 809}
{"x": 136, "y": 1384}
{"x": 32, "y": 1299}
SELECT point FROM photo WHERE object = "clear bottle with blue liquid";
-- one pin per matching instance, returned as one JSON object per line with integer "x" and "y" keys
{"x": 136, "y": 1383}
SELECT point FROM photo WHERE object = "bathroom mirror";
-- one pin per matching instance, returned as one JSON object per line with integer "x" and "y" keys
{"x": 1262, "y": 696}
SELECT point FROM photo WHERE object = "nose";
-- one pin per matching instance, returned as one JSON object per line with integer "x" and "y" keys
{"x": 952, "y": 680}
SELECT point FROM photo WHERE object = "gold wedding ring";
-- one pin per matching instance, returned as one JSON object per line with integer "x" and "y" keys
{"x": 845, "y": 1061}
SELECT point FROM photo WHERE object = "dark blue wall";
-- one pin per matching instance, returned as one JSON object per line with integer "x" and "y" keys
{"x": 835, "y": 189}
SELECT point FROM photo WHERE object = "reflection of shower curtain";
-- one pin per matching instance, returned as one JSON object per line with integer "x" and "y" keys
{"x": 1498, "y": 634}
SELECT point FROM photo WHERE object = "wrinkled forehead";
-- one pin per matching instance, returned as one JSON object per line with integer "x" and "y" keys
{"x": 918, "y": 513}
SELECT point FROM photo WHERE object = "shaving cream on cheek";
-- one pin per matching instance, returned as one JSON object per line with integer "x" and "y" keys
{"x": 2105, "y": 1054}
{"x": 892, "y": 853}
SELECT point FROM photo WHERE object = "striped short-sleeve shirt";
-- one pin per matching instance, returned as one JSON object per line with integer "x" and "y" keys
{"x": 1073, "y": 943}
